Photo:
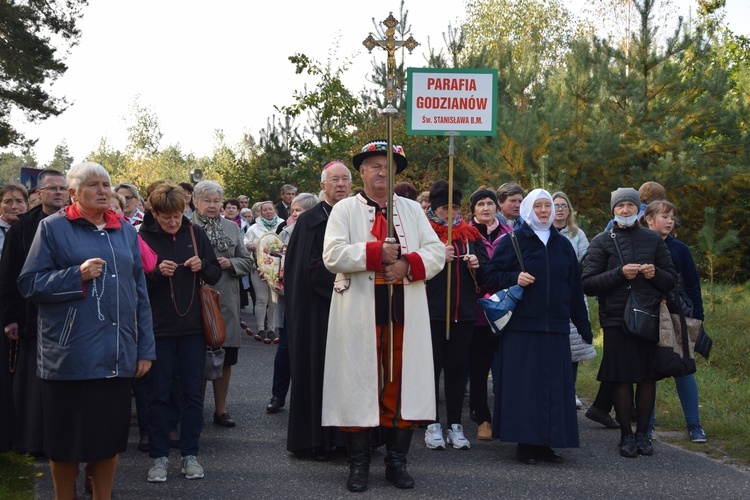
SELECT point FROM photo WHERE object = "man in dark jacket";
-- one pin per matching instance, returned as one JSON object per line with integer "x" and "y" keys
{"x": 288, "y": 192}
{"x": 308, "y": 288}
{"x": 20, "y": 316}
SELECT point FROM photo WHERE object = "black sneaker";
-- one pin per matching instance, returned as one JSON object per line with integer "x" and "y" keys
{"x": 643, "y": 443}
{"x": 628, "y": 448}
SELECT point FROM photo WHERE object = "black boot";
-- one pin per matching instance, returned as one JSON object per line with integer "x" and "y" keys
{"x": 358, "y": 447}
{"x": 397, "y": 444}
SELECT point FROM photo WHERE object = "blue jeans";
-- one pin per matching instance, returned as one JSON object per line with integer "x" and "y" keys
{"x": 282, "y": 373}
{"x": 687, "y": 389}
{"x": 140, "y": 391}
{"x": 188, "y": 355}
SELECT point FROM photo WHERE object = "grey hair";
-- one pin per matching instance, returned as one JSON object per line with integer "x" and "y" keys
{"x": 204, "y": 188}
{"x": 288, "y": 187}
{"x": 305, "y": 200}
{"x": 324, "y": 173}
{"x": 82, "y": 171}
{"x": 130, "y": 187}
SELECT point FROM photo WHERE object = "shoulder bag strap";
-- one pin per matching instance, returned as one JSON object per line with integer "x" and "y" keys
{"x": 195, "y": 245}
{"x": 617, "y": 246}
{"x": 195, "y": 249}
{"x": 619, "y": 252}
{"x": 517, "y": 249}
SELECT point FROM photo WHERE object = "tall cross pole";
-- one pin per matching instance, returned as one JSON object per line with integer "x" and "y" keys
{"x": 390, "y": 44}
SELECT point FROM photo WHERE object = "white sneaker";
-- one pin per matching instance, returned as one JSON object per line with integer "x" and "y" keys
{"x": 456, "y": 437}
{"x": 158, "y": 473}
{"x": 579, "y": 405}
{"x": 191, "y": 468}
{"x": 433, "y": 437}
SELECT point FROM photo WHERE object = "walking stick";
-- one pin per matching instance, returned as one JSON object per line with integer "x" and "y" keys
{"x": 390, "y": 44}
{"x": 450, "y": 135}
{"x": 389, "y": 112}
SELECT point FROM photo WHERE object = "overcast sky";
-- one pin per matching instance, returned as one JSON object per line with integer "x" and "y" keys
{"x": 223, "y": 64}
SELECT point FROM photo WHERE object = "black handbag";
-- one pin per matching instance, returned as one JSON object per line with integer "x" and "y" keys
{"x": 672, "y": 355}
{"x": 640, "y": 320}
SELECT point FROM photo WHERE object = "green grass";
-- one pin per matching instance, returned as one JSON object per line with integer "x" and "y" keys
{"x": 16, "y": 477}
{"x": 723, "y": 382}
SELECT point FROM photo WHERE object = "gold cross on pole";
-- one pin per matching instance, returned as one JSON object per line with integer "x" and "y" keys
{"x": 390, "y": 44}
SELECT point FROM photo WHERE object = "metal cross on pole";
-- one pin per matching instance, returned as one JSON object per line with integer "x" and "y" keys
{"x": 390, "y": 44}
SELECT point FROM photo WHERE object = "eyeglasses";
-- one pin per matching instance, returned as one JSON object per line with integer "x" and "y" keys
{"x": 336, "y": 180}
{"x": 53, "y": 189}
{"x": 562, "y": 206}
{"x": 129, "y": 197}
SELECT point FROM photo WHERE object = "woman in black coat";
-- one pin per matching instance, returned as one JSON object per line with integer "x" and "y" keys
{"x": 648, "y": 270}
{"x": 173, "y": 288}
{"x": 450, "y": 355}
{"x": 535, "y": 399}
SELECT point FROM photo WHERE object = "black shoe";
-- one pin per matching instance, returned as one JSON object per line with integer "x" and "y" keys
{"x": 358, "y": 476}
{"x": 275, "y": 405}
{"x": 321, "y": 455}
{"x": 224, "y": 420}
{"x": 643, "y": 444}
{"x": 526, "y": 454}
{"x": 548, "y": 455}
{"x": 397, "y": 446}
{"x": 628, "y": 448}
{"x": 601, "y": 417}
{"x": 358, "y": 448}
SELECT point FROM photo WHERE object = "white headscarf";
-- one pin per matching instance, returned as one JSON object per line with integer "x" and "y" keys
{"x": 528, "y": 215}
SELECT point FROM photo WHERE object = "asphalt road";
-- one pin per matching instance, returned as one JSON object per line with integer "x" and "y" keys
{"x": 250, "y": 461}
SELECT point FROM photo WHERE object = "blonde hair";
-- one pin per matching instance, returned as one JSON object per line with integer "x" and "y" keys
{"x": 570, "y": 221}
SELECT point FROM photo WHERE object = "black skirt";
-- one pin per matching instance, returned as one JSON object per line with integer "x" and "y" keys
{"x": 85, "y": 420}
{"x": 626, "y": 357}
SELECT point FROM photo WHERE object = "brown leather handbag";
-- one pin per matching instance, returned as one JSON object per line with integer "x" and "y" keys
{"x": 214, "y": 329}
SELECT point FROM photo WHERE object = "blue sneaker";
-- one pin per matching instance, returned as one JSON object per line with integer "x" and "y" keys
{"x": 697, "y": 435}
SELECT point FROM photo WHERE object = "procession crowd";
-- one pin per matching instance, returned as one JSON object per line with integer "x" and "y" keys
{"x": 368, "y": 308}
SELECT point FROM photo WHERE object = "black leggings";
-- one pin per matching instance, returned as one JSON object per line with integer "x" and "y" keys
{"x": 483, "y": 350}
{"x": 645, "y": 397}
{"x": 451, "y": 357}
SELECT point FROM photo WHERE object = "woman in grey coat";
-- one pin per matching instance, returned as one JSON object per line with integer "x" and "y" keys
{"x": 235, "y": 262}
{"x": 565, "y": 222}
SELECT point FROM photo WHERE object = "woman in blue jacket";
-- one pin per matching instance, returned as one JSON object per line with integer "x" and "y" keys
{"x": 85, "y": 275}
{"x": 535, "y": 399}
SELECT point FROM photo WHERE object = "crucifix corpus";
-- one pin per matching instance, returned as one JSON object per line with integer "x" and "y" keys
{"x": 390, "y": 44}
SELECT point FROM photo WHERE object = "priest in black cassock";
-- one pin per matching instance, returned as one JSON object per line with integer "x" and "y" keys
{"x": 308, "y": 286}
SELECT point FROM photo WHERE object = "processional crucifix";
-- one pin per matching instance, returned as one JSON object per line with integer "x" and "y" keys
{"x": 390, "y": 44}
